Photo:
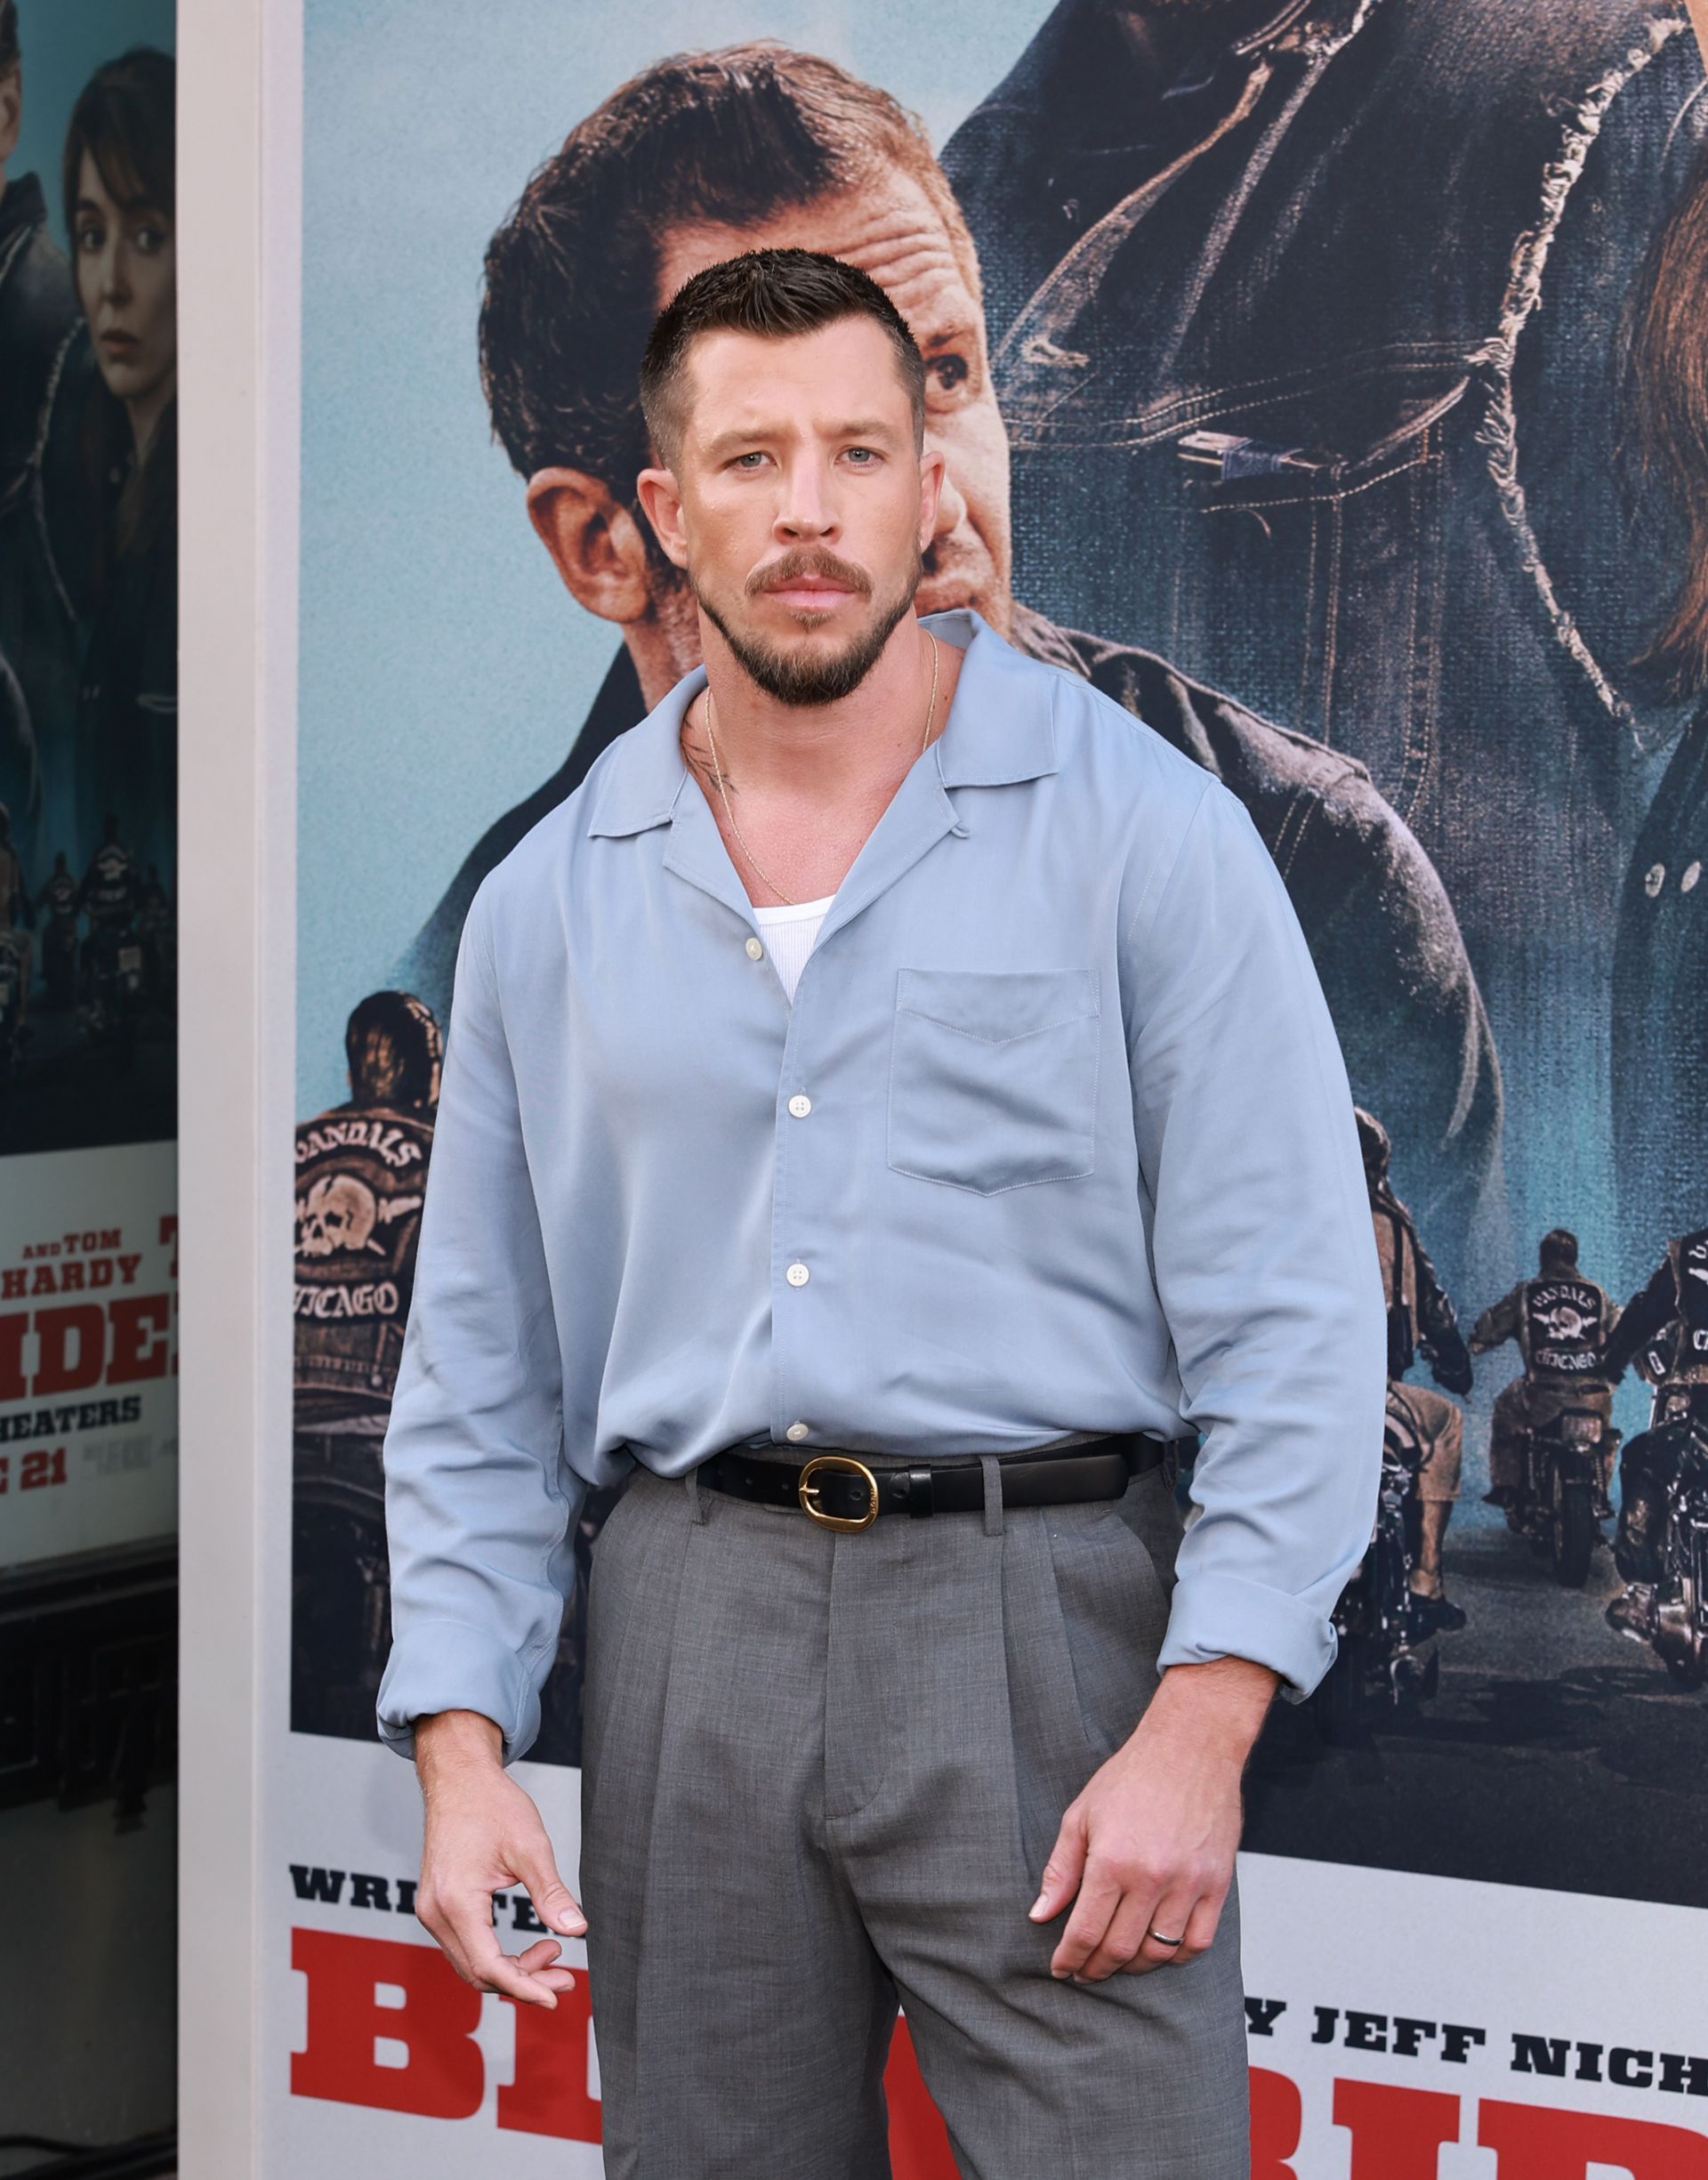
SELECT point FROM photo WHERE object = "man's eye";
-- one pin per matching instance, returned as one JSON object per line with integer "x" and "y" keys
{"x": 748, "y": 461}
{"x": 950, "y": 372}
{"x": 862, "y": 457}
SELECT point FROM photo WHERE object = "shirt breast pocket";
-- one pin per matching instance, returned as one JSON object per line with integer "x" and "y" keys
{"x": 992, "y": 1077}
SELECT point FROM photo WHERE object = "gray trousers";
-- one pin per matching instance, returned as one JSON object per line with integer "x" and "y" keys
{"x": 821, "y": 1776}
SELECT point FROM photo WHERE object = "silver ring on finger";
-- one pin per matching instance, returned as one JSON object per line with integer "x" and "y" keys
{"x": 1173, "y": 1944}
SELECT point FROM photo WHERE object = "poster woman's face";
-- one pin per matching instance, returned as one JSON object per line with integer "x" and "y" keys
{"x": 127, "y": 283}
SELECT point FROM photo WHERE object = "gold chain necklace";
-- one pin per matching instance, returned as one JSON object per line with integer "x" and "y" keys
{"x": 759, "y": 869}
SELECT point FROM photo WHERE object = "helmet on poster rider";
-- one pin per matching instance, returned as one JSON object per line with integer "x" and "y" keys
{"x": 393, "y": 1046}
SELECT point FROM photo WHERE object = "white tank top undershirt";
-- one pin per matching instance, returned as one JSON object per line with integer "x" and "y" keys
{"x": 789, "y": 934}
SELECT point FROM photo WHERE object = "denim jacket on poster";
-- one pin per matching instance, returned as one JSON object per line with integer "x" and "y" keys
{"x": 1660, "y": 1013}
{"x": 1325, "y": 406}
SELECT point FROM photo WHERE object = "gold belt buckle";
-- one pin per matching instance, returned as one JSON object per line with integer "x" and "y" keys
{"x": 845, "y": 1465}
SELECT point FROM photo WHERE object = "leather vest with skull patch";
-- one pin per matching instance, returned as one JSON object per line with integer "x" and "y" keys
{"x": 1564, "y": 1326}
{"x": 1689, "y": 1359}
{"x": 361, "y": 1172}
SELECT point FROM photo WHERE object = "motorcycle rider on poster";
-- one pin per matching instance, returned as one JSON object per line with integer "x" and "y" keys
{"x": 1675, "y": 1302}
{"x": 61, "y": 902}
{"x": 1561, "y": 1320}
{"x": 108, "y": 897}
{"x": 361, "y": 1170}
{"x": 1419, "y": 1320}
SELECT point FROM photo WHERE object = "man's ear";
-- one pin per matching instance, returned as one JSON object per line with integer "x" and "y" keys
{"x": 12, "y": 112}
{"x": 594, "y": 541}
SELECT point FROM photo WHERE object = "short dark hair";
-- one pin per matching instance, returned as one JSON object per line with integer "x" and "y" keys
{"x": 777, "y": 295}
{"x": 9, "y": 51}
{"x": 1559, "y": 1245}
{"x": 728, "y": 139}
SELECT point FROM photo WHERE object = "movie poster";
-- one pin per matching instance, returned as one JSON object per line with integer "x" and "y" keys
{"x": 1370, "y": 478}
{"x": 88, "y": 1121}
{"x": 88, "y": 772}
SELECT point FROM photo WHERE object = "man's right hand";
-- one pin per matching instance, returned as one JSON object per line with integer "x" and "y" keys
{"x": 483, "y": 1834}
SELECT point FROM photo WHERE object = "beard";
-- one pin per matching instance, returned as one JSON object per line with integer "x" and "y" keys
{"x": 802, "y": 681}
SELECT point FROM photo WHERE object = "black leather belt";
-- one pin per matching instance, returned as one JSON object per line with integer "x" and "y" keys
{"x": 839, "y": 1490}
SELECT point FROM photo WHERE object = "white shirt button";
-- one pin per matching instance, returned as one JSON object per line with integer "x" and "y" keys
{"x": 797, "y": 1275}
{"x": 797, "y": 1431}
{"x": 1654, "y": 879}
{"x": 800, "y": 1105}
{"x": 1688, "y": 883}
{"x": 755, "y": 951}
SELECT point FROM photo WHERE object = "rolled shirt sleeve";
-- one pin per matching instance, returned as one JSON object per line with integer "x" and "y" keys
{"x": 479, "y": 1504}
{"x": 1263, "y": 1252}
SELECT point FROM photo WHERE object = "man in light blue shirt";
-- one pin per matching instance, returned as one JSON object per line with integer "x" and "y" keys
{"x": 1050, "y": 1160}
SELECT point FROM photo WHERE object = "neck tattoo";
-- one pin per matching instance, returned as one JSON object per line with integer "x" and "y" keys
{"x": 758, "y": 868}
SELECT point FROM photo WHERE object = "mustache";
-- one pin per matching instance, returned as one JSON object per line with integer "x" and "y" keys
{"x": 808, "y": 561}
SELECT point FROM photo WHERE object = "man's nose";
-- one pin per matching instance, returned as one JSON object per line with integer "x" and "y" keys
{"x": 808, "y": 509}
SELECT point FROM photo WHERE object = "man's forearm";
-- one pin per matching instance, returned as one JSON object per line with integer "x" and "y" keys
{"x": 1219, "y": 1705}
{"x": 452, "y": 1741}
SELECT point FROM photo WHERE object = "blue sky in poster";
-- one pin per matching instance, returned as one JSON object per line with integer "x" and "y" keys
{"x": 63, "y": 42}
{"x": 443, "y": 670}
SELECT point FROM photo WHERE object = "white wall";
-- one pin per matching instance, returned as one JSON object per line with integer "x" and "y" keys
{"x": 238, "y": 217}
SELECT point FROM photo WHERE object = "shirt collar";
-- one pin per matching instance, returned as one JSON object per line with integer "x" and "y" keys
{"x": 1000, "y": 731}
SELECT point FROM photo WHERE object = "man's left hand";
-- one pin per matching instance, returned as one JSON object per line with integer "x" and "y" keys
{"x": 1149, "y": 1844}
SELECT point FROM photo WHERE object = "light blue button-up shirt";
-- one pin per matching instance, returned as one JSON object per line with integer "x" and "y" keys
{"x": 1055, "y": 1137}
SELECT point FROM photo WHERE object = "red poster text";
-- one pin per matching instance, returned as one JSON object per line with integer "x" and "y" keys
{"x": 364, "y": 1993}
{"x": 80, "y": 1345}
